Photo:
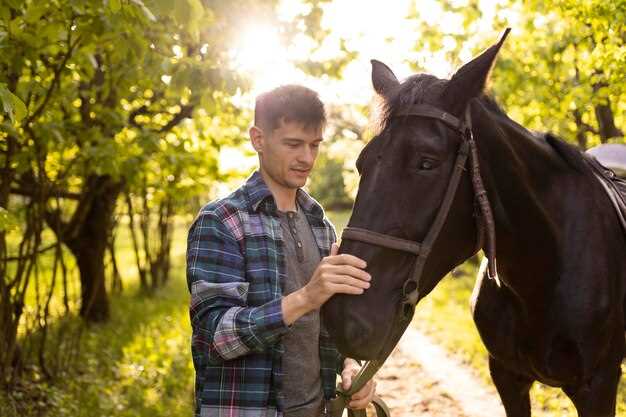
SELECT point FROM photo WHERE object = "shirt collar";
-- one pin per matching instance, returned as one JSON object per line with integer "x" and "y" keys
{"x": 258, "y": 193}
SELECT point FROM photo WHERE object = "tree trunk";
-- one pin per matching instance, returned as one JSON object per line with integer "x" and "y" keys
{"x": 581, "y": 130}
{"x": 606, "y": 123}
{"x": 88, "y": 244}
{"x": 604, "y": 115}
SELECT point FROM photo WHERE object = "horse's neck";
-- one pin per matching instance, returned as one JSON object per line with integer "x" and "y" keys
{"x": 521, "y": 176}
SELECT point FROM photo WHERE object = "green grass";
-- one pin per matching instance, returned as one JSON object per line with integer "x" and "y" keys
{"x": 139, "y": 363}
{"x": 136, "y": 364}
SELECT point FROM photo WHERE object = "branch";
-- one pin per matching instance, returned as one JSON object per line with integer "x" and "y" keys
{"x": 57, "y": 76}
{"x": 37, "y": 252}
{"x": 184, "y": 113}
{"x": 137, "y": 112}
{"x": 53, "y": 192}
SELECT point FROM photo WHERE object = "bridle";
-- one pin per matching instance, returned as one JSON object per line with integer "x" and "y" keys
{"x": 485, "y": 225}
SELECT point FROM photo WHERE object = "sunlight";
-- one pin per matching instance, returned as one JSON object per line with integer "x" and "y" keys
{"x": 384, "y": 33}
{"x": 261, "y": 55}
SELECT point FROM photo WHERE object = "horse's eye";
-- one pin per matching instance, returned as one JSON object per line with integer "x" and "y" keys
{"x": 427, "y": 164}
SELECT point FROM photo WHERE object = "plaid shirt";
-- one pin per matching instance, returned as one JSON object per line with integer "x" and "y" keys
{"x": 235, "y": 274}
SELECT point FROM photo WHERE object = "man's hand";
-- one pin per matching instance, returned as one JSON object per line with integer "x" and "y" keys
{"x": 335, "y": 274}
{"x": 363, "y": 397}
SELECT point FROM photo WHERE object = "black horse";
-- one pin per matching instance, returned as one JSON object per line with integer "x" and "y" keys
{"x": 556, "y": 311}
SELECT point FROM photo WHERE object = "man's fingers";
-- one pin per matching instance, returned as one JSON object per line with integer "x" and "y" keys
{"x": 345, "y": 289}
{"x": 347, "y": 280}
{"x": 363, "y": 393}
{"x": 346, "y": 378}
{"x": 351, "y": 270}
{"x": 346, "y": 259}
{"x": 363, "y": 397}
{"x": 334, "y": 249}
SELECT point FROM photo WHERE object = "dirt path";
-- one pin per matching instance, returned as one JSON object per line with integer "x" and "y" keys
{"x": 410, "y": 392}
{"x": 420, "y": 379}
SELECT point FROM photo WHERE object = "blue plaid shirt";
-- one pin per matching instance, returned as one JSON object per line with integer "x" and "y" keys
{"x": 235, "y": 274}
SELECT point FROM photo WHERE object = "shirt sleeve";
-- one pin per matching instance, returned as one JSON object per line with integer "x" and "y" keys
{"x": 221, "y": 320}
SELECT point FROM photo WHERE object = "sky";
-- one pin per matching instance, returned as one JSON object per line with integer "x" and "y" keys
{"x": 374, "y": 29}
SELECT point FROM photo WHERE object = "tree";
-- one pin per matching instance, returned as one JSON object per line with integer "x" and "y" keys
{"x": 562, "y": 68}
{"x": 95, "y": 95}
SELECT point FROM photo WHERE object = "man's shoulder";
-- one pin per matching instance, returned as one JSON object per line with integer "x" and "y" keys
{"x": 227, "y": 211}
{"x": 226, "y": 206}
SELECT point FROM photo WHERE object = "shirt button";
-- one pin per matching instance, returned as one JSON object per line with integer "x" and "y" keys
{"x": 299, "y": 244}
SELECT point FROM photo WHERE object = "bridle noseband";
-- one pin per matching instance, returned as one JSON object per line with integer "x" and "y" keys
{"x": 484, "y": 218}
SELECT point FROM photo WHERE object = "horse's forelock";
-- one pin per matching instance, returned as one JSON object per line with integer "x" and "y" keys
{"x": 418, "y": 88}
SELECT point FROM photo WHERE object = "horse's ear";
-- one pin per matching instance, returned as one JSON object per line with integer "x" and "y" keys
{"x": 384, "y": 80}
{"x": 469, "y": 81}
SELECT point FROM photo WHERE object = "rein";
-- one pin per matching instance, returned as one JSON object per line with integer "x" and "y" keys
{"x": 410, "y": 292}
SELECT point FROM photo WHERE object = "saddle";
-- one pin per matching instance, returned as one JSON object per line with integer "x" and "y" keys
{"x": 595, "y": 160}
{"x": 614, "y": 186}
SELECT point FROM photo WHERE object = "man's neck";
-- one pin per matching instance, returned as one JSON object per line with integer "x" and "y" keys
{"x": 285, "y": 197}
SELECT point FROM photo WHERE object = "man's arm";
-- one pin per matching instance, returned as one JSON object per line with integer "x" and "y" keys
{"x": 221, "y": 320}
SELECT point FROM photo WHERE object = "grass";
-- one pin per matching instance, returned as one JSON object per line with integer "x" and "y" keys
{"x": 136, "y": 364}
{"x": 139, "y": 363}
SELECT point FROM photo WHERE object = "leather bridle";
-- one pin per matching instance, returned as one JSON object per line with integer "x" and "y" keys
{"x": 485, "y": 239}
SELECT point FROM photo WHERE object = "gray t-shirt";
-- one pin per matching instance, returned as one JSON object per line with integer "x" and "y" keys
{"x": 301, "y": 362}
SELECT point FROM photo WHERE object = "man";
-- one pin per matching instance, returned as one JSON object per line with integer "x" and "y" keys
{"x": 260, "y": 263}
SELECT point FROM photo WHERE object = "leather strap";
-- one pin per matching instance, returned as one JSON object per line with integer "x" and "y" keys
{"x": 379, "y": 239}
{"x": 340, "y": 403}
{"x": 432, "y": 112}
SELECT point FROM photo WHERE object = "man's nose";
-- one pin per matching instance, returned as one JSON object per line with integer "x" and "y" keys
{"x": 307, "y": 156}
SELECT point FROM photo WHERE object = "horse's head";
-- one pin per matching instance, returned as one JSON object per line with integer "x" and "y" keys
{"x": 405, "y": 172}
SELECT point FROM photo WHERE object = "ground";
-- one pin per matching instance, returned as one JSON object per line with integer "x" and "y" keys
{"x": 409, "y": 391}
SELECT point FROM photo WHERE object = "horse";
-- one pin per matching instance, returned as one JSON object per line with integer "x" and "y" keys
{"x": 450, "y": 173}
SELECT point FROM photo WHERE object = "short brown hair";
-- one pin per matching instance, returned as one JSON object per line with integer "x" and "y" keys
{"x": 289, "y": 103}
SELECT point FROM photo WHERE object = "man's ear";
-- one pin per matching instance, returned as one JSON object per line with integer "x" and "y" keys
{"x": 256, "y": 137}
{"x": 384, "y": 80}
{"x": 470, "y": 80}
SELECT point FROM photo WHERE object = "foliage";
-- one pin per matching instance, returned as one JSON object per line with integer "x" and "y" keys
{"x": 561, "y": 69}
{"x": 327, "y": 184}
{"x": 103, "y": 98}
{"x": 137, "y": 364}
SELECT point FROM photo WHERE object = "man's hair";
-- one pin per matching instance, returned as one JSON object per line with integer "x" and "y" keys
{"x": 289, "y": 103}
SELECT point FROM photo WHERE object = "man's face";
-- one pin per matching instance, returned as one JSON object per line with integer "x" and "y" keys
{"x": 288, "y": 153}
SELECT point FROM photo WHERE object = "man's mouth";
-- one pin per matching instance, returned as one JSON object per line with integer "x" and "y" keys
{"x": 301, "y": 171}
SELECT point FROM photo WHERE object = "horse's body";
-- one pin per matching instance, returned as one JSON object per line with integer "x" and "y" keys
{"x": 559, "y": 314}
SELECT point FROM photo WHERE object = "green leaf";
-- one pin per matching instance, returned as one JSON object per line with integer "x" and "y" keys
{"x": 5, "y": 14}
{"x": 34, "y": 12}
{"x": 115, "y": 5}
{"x": 11, "y": 104}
